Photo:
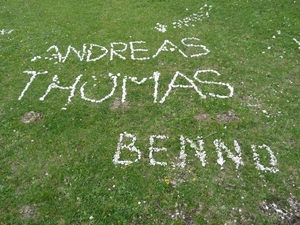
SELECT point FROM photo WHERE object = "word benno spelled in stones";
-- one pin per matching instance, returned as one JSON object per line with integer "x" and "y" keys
{"x": 199, "y": 152}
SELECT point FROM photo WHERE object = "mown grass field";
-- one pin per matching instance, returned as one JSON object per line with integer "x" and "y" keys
{"x": 149, "y": 112}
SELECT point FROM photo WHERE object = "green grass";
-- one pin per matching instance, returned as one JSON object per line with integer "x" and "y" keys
{"x": 60, "y": 170}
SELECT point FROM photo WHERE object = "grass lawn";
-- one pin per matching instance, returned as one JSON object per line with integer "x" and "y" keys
{"x": 149, "y": 112}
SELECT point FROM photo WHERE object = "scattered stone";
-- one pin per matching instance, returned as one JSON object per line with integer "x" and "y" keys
{"x": 289, "y": 215}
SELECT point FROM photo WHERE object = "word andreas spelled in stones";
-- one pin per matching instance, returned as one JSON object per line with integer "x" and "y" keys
{"x": 127, "y": 142}
{"x": 119, "y": 49}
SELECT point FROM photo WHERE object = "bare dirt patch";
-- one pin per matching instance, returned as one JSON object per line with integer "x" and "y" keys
{"x": 118, "y": 104}
{"x": 32, "y": 116}
{"x": 221, "y": 117}
{"x": 29, "y": 212}
{"x": 226, "y": 117}
{"x": 202, "y": 116}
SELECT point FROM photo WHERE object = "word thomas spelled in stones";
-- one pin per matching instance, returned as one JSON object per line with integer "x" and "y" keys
{"x": 115, "y": 80}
